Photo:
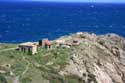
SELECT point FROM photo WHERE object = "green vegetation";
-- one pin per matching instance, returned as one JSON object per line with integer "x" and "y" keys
{"x": 3, "y": 79}
{"x": 38, "y": 68}
{"x": 6, "y": 46}
{"x": 74, "y": 79}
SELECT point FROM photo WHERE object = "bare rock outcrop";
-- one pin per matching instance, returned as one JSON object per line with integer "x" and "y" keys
{"x": 98, "y": 59}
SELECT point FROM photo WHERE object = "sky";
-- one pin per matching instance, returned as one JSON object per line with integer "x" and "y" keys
{"x": 106, "y": 1}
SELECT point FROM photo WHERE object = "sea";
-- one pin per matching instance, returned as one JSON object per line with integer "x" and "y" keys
{"x": 31, "y": 21}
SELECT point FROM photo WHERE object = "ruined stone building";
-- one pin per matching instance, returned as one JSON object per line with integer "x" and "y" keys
{"x": 45, "y": 43}
{"x": 42, "y": 42}
{"x": 28, "y": 47}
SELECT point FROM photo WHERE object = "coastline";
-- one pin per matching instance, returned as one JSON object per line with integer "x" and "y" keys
{"x": 61, "y": 37}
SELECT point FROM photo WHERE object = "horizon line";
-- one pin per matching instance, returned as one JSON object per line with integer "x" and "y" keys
{"x": 69, "y": 2}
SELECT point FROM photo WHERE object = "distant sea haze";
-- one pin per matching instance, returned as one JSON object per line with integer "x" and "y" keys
{"x": 21, "y": 22}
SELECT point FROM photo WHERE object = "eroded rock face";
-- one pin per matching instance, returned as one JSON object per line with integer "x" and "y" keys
{"x": 110, "y": 40}
{"x": 124, "y": 44}
{"x": 98, "y": 61}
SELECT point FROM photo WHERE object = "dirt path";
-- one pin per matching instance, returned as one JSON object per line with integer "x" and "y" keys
{"x": 7, "y": 49}
{"x": 27, "y": 67}
{"x": 16, "y": 80}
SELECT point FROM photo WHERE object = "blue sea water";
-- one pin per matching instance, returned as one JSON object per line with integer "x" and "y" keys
{"x": 31, "y": 21}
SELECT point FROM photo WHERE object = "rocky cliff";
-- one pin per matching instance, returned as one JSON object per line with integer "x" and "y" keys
{"x": 97, "y": 59}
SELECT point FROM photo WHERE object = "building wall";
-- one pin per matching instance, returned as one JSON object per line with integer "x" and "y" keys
{"x": 43, "y": 42}
{"x": 28, "y": 49}
{"x": 34, "y": 49}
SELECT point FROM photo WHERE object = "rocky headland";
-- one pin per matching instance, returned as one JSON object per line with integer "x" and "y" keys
{"x": 98, "y": 59}
{"x": 77, "y": 58}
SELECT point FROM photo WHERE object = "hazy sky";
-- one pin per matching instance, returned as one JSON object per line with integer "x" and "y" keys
{"x": 110, "y": 1}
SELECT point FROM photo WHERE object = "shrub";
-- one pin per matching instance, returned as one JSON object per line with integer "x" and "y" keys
{"x": 3, "y": 79}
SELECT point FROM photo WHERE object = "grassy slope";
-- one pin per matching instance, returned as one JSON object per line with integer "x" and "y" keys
{"x": 37, "y": 68}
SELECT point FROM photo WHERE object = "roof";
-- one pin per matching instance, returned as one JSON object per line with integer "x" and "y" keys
{"x": 29, "y": 44}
